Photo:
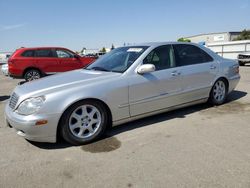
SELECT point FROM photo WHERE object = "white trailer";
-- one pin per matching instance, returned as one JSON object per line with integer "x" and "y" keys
{"x": 230, "y": 50}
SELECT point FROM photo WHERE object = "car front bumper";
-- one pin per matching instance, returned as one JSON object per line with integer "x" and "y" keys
{"x": 233, "y": 82}
{"x": 26, "y": 127}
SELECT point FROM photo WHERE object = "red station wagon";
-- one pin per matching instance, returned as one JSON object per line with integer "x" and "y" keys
{"x": 33, "y": 63}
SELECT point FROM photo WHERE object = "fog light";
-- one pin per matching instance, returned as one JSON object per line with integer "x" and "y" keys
{"x": 41, "y": 122}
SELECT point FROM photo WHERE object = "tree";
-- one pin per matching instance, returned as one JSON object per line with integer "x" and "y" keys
{"x": 103, "y": 50}
{"x": 112, "y": 47}
{"x": 244, "y": 35}
{"x": 183, "y": 40}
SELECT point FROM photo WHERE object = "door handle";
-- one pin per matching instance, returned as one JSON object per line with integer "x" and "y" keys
{"x": 175, "y": 73}
{"x": 212, "y": 67}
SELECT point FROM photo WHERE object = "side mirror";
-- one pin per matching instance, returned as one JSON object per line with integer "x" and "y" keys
{"x": 146, "y": 68}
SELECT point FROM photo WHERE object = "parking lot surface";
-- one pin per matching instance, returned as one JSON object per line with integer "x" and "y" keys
{"x": 198, "y": 146}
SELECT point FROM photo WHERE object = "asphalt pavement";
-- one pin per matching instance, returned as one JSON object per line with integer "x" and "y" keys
{"x": 198, "y": 146}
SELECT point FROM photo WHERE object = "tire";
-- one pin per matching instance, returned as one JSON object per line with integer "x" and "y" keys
{"x": 83, "y": 122}
{"x": 218, "y": 93}
{"x": 241, "y": 63}
{"x": 32, "y": 74}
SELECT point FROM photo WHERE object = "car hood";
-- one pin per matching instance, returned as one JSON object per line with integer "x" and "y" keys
{"x": 67, "y": 80}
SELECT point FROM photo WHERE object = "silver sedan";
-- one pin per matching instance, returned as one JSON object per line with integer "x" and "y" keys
{"x": 128, "y": 83}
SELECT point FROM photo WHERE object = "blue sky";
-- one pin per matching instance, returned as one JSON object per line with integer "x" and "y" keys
{"x": 96, "y": 23}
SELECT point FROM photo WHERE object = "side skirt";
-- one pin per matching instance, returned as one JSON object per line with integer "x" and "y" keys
{"x": 133, "y": 118}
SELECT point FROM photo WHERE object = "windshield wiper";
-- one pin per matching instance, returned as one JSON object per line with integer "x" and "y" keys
{"x": 99, "y": 69}
{"x": 102, "y": 69}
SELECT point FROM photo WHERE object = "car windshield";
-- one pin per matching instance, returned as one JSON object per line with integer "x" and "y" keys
{"x": 118, "y": 60}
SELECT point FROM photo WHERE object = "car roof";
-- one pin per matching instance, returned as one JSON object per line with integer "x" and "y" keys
{"x": 35, "y": 48}
{"x": 155, "y": 44}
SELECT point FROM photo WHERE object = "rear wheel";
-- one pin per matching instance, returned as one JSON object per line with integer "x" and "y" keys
{"x": 84, "y": 122}
{"x": 32, "y": 74}
{"x": 218, "y": 93}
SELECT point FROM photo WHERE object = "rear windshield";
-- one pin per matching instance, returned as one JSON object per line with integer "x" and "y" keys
{"x": 13, "y": 54}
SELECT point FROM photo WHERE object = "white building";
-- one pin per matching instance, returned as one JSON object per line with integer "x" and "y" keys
{"x": 230, "y": 49}
{"x": 222, "y": 43}
{"x": 214, "y": 37}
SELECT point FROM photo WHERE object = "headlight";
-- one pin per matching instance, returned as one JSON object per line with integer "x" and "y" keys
{"x": 30, "y": 106}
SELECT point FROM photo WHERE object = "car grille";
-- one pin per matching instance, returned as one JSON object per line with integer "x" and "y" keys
{"x": 13, "y": 100}
{"x": 244, "y": 56}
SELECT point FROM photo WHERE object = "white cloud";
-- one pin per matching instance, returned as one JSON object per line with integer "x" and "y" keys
{"x": 10, "y": 27}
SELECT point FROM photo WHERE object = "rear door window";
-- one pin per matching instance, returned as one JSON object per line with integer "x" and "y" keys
{"x": 186, "y": 54}
{"x": 28, "y": 53}
{"x": 44, "y": 53}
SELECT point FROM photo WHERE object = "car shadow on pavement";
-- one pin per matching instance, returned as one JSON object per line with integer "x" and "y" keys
{"x": 179, "y": 113}
{"x": 235, "y": 95}
{"x": 4, "y": 97}
{"x": 60, "y": 144}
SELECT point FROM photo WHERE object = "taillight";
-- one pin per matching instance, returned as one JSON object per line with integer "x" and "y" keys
{"x": 10, "y": 61}
{"x": 236, "y": 69}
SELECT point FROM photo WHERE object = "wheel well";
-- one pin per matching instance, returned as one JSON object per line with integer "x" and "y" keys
{"x": 87, "y": 99}
{"x": 30, "y": 68}
{"x": 226, "y": 81}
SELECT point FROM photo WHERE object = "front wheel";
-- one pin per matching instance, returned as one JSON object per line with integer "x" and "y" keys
{"x": 32, "y": 74}
{"x": 218, "y": 92}
{"x": 84, "y": 122}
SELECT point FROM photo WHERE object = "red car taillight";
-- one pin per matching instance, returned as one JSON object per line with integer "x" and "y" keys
{"x": 10, "y": 61}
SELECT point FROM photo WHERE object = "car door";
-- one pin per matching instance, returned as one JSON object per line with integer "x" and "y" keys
{"x": 156, "y": 90}
{"x": 26, "y": 59}
{"x": 198, "y": 71}
{"x": 67, "y": 60}
{"x": 46, "y": 61}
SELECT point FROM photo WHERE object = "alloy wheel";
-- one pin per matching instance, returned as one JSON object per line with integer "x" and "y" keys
{"x": 32, "y": 75}
{"x": 219, "y": 91}
{"x": 85, "y": 121}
